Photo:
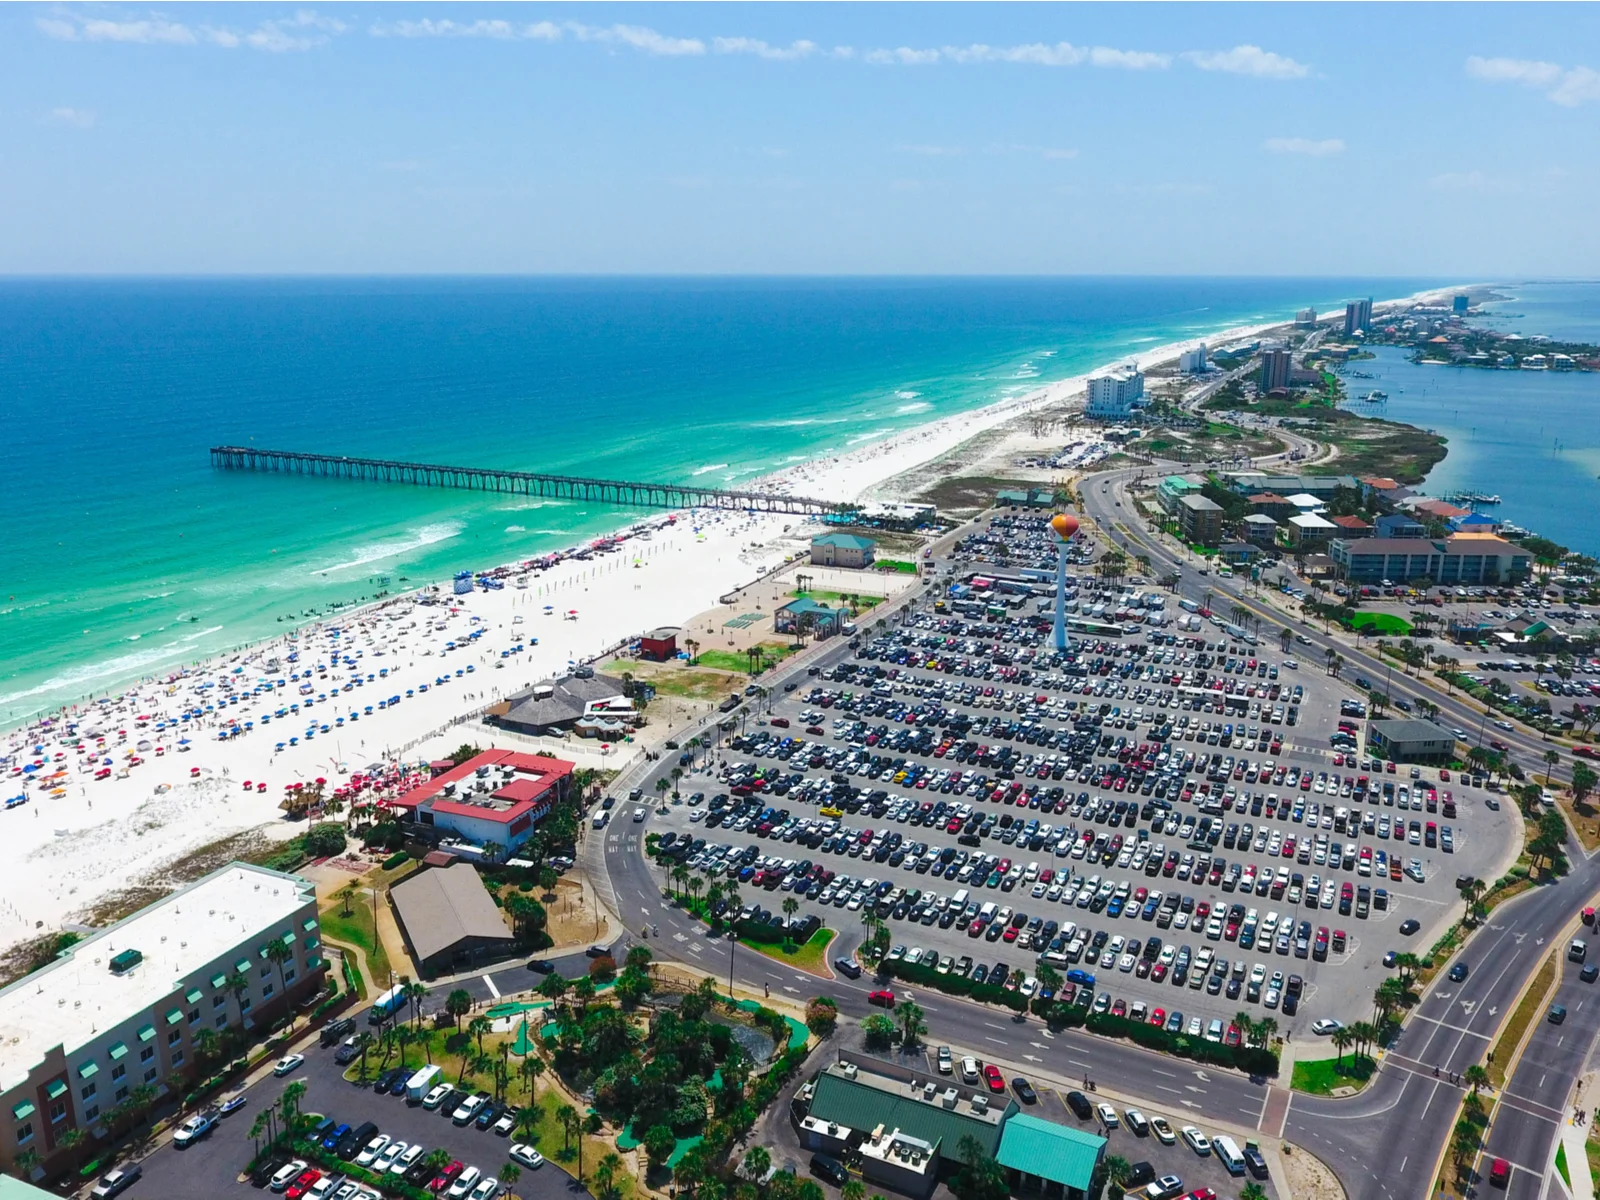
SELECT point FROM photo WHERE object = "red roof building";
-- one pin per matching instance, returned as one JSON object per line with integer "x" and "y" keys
{"x": 1354, "y": 524}
{"x": 497, "y": 796}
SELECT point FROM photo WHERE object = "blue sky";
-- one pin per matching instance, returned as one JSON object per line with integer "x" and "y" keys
{"x": 900, "y": 138}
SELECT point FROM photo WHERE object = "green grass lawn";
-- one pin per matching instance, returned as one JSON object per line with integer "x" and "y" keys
{"x": 727, "y": 660}
{"x": 809, "y": 957}
{"x": 1385, "y": 624}
{"x": 1321, "y": 1076}
{"x": 836, "y": 599}
{"x": 357, "y": 930}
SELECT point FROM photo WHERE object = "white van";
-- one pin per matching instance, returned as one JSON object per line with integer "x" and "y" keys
{"x": 1227, "y": 1152}
{"x": 959, "y": 900}
{"x": 986, "y": 913}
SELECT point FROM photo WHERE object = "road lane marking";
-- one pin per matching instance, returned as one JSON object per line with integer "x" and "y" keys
{"x": 488, "y": 981}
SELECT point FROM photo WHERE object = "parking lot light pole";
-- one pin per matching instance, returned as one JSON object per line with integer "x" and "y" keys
{"x": 733, "y": 940}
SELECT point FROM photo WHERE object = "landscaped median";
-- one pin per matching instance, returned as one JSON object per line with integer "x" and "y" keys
{"x": 1333, "y": 1076}
{"x": 1253, "y": 1060}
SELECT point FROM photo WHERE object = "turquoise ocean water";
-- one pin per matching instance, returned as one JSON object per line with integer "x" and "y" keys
{"x": 122, "y": 553}
{"x": 1532, "y": 437}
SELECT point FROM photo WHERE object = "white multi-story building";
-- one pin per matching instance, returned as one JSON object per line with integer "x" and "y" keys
{"x": 120, "y": 1011}
{"x": 1193, "y": 362}
{"x": 1114, "y": 393}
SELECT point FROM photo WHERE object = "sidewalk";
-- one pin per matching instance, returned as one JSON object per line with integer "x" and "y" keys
{"x": 1574, "y": 1138}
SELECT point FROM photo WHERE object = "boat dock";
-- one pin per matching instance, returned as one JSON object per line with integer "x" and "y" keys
{"x": 623, "y": 493}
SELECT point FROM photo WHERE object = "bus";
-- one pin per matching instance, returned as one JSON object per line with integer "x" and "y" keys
{"x": 387, "y": 1005}
{"x": 1090, "y": 628}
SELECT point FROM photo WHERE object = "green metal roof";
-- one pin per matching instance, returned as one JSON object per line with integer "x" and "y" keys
{"x": 1055, "y": 1152}
{"x": 16, "y": 1189}
{"x": 859, "y": 1106}
{"x": 845, "y": 541}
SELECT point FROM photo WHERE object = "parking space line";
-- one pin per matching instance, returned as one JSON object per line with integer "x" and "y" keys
{"x": 488, "y": 982}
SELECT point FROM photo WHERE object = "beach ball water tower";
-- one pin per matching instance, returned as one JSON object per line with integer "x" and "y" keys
{"x": 1064, "y": 526}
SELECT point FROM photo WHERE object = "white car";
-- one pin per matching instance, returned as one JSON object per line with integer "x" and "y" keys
{"x": 1198, "y": 1142}
{"x": 435, "y": 1097}
{"x": 527, "y": 1155}
{"x": 406, "y": 1160}
{"x": 1326, "y": 1026}
{"x": 504, "y": 1126}
{"x": 1108, "y": 1116}
{"x": 287, "y": 1174}
{"x": 487, "y": 1189}
{"x": 1163, "y": 1131}
{"x": 369, "y": 1152}
{"x": 289, "y": 1062}
{"x": 464, "y": 1182}
{"x": 969, "y": 1070}
{"x": 385, "y": 1158}
{"x": 468, "y": 1109}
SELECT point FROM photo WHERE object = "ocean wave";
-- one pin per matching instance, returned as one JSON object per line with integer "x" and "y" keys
{"x": 706, "y": 470}
{"x": 80, "y": 680}
{"x": 199, "y": 633}
{"x": 915, "y": 407}
{"x": 907, "y": 395}
{"x": 867, "y": 437}
{"x": 17, "y": 608}
{"x": 516, "y": 529}
{"x": 428, "y": 535}
{"x": 1047, "y": 354}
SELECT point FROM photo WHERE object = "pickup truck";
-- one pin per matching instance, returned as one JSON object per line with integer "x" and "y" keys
{"x": 195, "y": 1128}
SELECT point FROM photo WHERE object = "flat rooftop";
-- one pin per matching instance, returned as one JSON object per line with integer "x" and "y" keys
{"x": 76, "y": 998}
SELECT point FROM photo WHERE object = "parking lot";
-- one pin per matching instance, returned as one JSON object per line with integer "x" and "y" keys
{"x": 213, "y": 1166}
{"x": 1170, "y": 815}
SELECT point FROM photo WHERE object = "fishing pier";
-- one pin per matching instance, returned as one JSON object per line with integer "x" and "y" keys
{"x": 622, "y": 493}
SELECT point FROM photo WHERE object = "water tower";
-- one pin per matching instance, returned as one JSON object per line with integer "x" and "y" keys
{"x": 1063, "y": 525}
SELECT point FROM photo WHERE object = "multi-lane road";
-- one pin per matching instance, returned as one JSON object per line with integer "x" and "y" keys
{"x": 1385, "y": 1143}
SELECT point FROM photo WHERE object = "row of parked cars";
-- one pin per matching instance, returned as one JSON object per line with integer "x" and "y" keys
{"x": 394, "y": 1158}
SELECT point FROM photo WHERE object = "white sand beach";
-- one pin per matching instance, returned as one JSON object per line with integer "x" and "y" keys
{"x": 78, "y": 838}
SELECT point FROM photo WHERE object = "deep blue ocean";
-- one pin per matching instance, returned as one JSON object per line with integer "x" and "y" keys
{"x": 123, "y": 553}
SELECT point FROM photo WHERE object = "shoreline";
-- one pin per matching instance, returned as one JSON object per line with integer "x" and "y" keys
{"x": 172, "y": 801}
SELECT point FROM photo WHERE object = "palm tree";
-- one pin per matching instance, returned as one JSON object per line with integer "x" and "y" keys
{"x": 277, "y": 955}
{"x": 568, "y": 1116}
{"x": 757, "y": 1162}
{"x": 1552, "y": 759}
{"x": 239, "y": 985}
{"x": 415, "y": 992}
{"x": 1252, "y": 1191}
{"x": 1265, "y": 1030}
{"x": 605, "y": 1173}
{"x": 509, "y": 1174}
{"x": 71, "y": 1141}
{"x": 477, "y": 1027}
{"x": 534, "y": 1066}
{"x": 1342, "y": 1040}
{"x": 1246, "y": 1025}
{"x": 261, "y": 1125}
{"x": 27, "y": 1161}
{"x": 207, "y": 1044}
{"x": 346, "y": 894}
{"x": 1118, "y": 1171}
{"x": 853, "y": 1189}
{"x": 680, "y": 876}
{"x": 527, "y": 1125}
{"x": 1365, "y": 1034}
{"x": 1476, "y": 1077}
{"x": 457, "y": 1005}
{"x": 911, "y": 1023}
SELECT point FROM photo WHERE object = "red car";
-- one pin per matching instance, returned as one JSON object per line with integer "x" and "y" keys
{"x": 1499, "y": 1172}
{"x": 883, "y": 999}
{"x": 1158, "y": 1016}
{"x": 447, "y": 1176}
{"x": 302, "y": 1185}
{"x": 991, "y": 1076}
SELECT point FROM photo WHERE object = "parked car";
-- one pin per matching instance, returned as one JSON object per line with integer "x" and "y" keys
{"x": 289, "y": 1062}
{"x": 1198, "y": 1142}
{"x": 115, "y": 1182}
{"x": 528, "y": 1156}
{"x": 195, "y": 1128}
{"x": 848, "y": 968}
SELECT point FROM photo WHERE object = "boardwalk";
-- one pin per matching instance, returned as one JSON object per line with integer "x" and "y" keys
{"x": 624, "y": 493}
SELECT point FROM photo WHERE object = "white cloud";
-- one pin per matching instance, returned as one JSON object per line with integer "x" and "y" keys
{"x": 1300, "y": 145}
{"x": 761, "y": 49}
{"x": 540, "y": 31}
{"x": 302, "y": 31}
{"x": 1513, "y": 70}
{"x": 1129, "y": 60}
{"x": 78, "y": 118}
{"x": 1038, "y": 54}
{"x": 1249, "y": 60}
{"x": 639, "y": 37}
{"x": 1561, "y": 85}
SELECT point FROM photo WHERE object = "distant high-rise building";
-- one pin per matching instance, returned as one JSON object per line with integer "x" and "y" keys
{"x": 1113, "y": 394}
{"x": 1459, "y": 304}
{"x": 1193, "y": 362}
{"x": 1357, "y": 316}
{"x": 1277, "y": 369}
{"x": 1306, "y": 317}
